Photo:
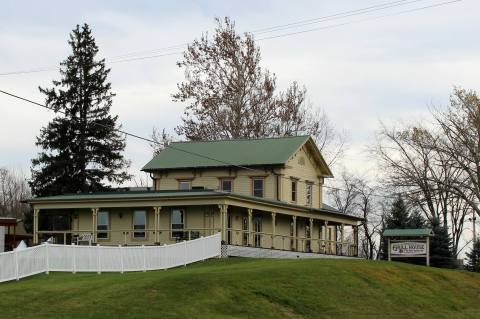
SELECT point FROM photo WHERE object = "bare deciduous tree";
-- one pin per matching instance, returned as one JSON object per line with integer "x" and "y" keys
{"x": 413, "y": 165}
{"x": 355, "y": 196}
{"x": 161, "y": 140}
{"x": 230, "y": 95}
{"x": 13, "y": 189}
{"x": 460, "y": 142}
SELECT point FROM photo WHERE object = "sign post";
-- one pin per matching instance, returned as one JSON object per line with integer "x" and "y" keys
{"x": 409, "y": 243}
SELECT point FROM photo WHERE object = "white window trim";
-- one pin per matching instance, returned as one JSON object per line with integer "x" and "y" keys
{"x": 108, "y": 225}
{"x": 171, "y": 221}
{"x": 263, "y": 186}
{"x": 226, "y": 179}
{"x": 140, "y": 230}
{"x": 180, "y": 181}
{"x": 292, "y": 182}
{"x": 309, "y": 195}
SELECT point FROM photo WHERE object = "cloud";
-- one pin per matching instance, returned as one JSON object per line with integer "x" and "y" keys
{"x": 382, "y": 69}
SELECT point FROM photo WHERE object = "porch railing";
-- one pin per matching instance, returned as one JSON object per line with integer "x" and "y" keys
{"x": 128, "y": 236}
{"x": 287, "y": 242}
{"x": 233, "y": 236}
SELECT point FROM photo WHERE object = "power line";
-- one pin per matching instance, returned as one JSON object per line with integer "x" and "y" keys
{"x": 358, "y": 21}
{"x": 128, "y": 57}
{"x": 341, "y": 15}
{"x": 173, "y": 147}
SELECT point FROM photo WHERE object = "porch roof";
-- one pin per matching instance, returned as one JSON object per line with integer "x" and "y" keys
{"x": 180, "y": 194}
{"x": 409, "y": 232}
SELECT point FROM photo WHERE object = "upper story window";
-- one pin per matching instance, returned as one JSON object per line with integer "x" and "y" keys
{"x": 258, "y": 186}
{"x": 309, "y": 194}
{"x": 102, "y": 224}
{"x": 294, "y": 190}
{"x": 139, "y": 223}
{"x": 184, "y": 184}
{"x": 226, "y": 185}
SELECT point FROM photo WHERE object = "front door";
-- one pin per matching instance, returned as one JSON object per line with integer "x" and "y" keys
{"x": 257, "y": 228}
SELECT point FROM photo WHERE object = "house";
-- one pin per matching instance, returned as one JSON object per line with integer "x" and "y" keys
{"x": 257, "y": 192}
{"x": 12, "y": 231}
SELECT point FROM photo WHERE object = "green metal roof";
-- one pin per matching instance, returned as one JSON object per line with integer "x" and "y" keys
{"x": 140, "y": 195}
{"x": 414, "y": 232}
{"x": 224, "y": 153}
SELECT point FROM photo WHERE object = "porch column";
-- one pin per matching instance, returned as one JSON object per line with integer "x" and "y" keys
{"x": 94, "y": 225}
{"x": 250, "y": 226}
{"x": 223, "y": 220}
{"x": 273, "y": 229}
{"x": 295, "y": 241}
{"x": 325, "y": 238}
{"x": 311, "y": 234}
{"x": 342, "y": 228}
{"x": 35, "y": 226}
{"x": 355, "y": 239}
{"x": 157, "y": 223}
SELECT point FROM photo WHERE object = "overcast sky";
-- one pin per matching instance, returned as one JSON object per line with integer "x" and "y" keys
{"x": 360, "y": 73}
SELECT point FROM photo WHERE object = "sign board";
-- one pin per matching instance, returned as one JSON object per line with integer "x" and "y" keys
{"x": 408, "y": 249}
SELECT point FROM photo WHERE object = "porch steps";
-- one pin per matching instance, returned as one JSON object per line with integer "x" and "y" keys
{"x": 254, "y": 252}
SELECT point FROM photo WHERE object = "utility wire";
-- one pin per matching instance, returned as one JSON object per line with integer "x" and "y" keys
{"x": 127, "y": 57}
{"x": 358, "y": 21}
{"x": 178, "y": 149}
{"x": 336, "y": 16}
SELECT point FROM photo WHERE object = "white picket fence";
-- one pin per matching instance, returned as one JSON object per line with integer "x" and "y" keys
{"x": 44, "y": 258}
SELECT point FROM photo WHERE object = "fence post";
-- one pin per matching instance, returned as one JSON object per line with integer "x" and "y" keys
{"x": 99, "y": 264}
{"x": 47, "y": 259}
{"x": 121, "y": 258}
{"x": 74, "y": 253}
{"x": 204, "y": 245}
{"x": 164, "y": 257}
{"x": 184, "y": 253}
{"x": 144, "y": 259}
{"x": 15, "y": 255}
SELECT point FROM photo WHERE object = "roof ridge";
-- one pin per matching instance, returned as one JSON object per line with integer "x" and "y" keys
{"x": 240, "y": 139}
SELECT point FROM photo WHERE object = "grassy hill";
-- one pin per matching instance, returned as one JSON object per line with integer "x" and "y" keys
{"x": 245, "y": 288}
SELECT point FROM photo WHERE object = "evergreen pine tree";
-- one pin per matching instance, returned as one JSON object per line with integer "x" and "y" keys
{"x": 398, "y": 217}
{"x": 81, "y": 150}
{"x": 441, "y": 254}
{"x": 416, "y": 220}
{"x": 473, "y": 257}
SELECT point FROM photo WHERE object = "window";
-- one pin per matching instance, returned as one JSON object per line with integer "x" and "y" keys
{"x": 258, "y": 186}
{"x": 226, "y": 185}
{"x": 294, "y": 190}
{"x": 102, "y": 224}
{"x": 309, "y": 194}
{"x": 178, "y": 222}
{"x": 184, "y": 185}
{"x": 139, "y": 223}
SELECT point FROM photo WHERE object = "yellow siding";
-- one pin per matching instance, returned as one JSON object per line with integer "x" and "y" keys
{"x": 302, "y": 167}
{"x": 206, "y": 221}
{"x": 210, "y": 178}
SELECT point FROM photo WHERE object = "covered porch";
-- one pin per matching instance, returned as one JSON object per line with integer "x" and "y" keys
{"x": 156, "y": 218}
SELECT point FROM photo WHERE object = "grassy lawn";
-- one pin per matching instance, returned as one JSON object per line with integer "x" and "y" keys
{"x": 247, "y": 288}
